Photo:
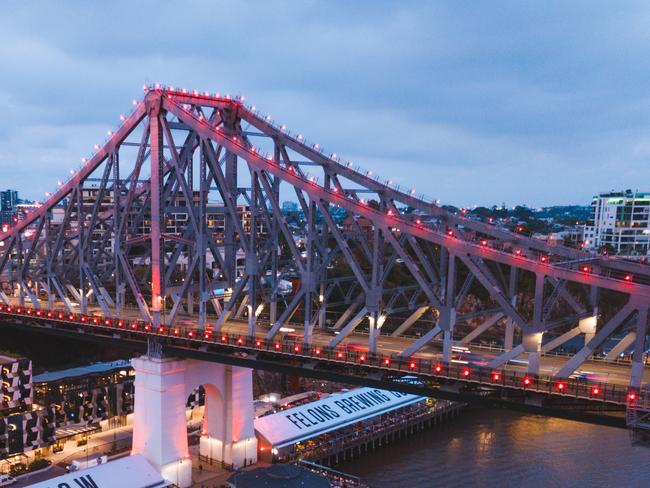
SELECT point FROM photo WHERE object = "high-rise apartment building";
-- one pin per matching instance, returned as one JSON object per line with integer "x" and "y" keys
{"x": 8, "y": 202}
{"x": 619, "y": 223}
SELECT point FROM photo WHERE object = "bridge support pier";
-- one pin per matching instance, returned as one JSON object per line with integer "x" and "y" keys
{"x": 162, "y": 387}
{"x": 587, "y": 327}
{"x": 532, "y": 343}
{"x": 159, "y": 427}
{"x": 376, "y": 321}
{"x": 447, "y": 321}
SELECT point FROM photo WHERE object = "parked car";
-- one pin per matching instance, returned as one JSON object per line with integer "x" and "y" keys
{"x": 6, "y": 480}
{"x": 87, "y": 462}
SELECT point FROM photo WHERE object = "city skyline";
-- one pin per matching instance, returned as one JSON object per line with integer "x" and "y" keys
{"x": 531, "y": 105}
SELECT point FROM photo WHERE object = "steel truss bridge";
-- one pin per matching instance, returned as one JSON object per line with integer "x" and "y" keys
{"x": 98, "y": 260}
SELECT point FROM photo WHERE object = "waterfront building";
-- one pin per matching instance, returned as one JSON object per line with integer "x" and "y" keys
{"x": 24, "y": 426}
{"x": 619, "y": 223}
{"x": 336, "y": 423}
{"x": 87, "y": 394}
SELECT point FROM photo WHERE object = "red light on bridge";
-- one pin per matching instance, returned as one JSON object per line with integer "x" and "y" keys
{"x": 496, "y": 376}
{"x": 543, "y": 259}
{"x": 362, "y": 358}
{"x": 120, "y": 323}
{"x": 317, "y": 352}
{"x": 83, "y": 319}
{"x": 95, "y": 321}
{"x": 561, "y": 386}
{"x": 518, "y": 252}
{"x": 438, "y": 368}
{"x": 483, "y": 242}
{"x": 595, "y": 390}
{"x": 206, "y": 335}
{"x": 258, "y": 343}
{"x": 631, "y": 396}
{"x": 520, "y": 228}
{"x": 49, "y": 314}
{"x": 134, "y": 325}
{"x": 527, "y": 381}
{"x": 628, "y": 277}
{"x": 147, "y": 327}
{"x": 466, "y": 372}
{"x": 339, "y": 355}
{"x": 277, "y": 346}
{"x": 296, "y": 348}
{"x": 418, "y": 221}
{"x": 60, "y": 315}
{"x": 224, "y": 338}
{"x": 412, "y": 365}
{"x": 386, "y": 362}
{"x": 240, "y": 341}
{"x": 107, "y": 322}
{"x": 176, "y": 331}
{"x": 450, "y": 233}
{"x": 190, "y": 333}
{"x": 585, "y": 269}
{"x": 161, "y": 329}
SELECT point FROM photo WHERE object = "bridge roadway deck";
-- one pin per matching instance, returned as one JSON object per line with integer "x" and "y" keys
{"x": 573, "y": 399}
{"x": 598, "y": 371}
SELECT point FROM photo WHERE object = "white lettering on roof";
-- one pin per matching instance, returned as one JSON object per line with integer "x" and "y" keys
{"x": 331, "y": 413}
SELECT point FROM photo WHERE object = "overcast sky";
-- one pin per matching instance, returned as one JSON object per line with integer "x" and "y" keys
{"x": 472, "y": 102}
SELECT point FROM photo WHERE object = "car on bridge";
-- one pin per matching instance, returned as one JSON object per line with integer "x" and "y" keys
{"x": 590, "y": 376}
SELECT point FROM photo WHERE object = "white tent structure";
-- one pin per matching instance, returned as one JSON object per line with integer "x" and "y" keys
{"x": 336, "y": 411}
{"x": 127, "y": 472}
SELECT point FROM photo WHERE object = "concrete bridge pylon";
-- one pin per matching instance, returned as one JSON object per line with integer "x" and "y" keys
{"x": 162, "y": 386}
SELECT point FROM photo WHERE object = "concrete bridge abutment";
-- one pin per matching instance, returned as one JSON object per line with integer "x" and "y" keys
{"x": 162, "y": 386}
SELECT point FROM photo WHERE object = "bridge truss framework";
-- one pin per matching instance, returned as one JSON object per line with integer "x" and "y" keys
{"x": 102, "y": 240}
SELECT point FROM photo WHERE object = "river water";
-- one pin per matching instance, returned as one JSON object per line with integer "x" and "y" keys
{"x": 499, "y": 448}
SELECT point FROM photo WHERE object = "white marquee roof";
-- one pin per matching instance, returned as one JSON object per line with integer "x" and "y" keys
{"x": 127, "y": 472}
{"x": 330, "y": 413}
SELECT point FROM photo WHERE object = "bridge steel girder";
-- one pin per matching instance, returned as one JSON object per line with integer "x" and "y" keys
{"x": 605, "y": 331}
{"x": 489, "y": 322}
{"x": 404, "y": 326}
{"x": 105, "y": 234}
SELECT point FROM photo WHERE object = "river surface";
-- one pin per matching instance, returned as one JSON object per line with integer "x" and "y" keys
{"x": 499, "y": 448}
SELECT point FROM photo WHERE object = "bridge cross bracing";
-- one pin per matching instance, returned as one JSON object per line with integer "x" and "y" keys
{"x": 176, "y": 219}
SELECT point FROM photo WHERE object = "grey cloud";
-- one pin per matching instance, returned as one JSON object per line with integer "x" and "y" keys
{"x": 523, "y": 102}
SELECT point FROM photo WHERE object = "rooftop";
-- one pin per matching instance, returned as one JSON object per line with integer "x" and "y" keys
{"x": 9, "y": 357}
{"x": 81, "y": 371}
{"x": 327, "y": 414}
{"x": 127, "y": 472}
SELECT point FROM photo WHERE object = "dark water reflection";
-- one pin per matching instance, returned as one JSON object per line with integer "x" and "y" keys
{"x": 506, "y": 449}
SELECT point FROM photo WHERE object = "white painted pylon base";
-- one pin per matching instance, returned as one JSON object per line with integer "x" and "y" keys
{"x": 240, "y": 453}
{"x": 178, "y": 472}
